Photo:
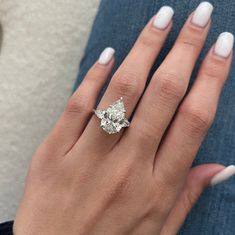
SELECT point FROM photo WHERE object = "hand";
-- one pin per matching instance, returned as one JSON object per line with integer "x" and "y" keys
{"x": 85, "y": 181}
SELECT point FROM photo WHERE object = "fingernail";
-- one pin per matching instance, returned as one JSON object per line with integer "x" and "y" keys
{"x": 224, "y": 44}
{"x": 202, "y": 14}
{"x": 163, "y": 17}
{"x": 106, "y": 56}
{"x": 223, "y": 175}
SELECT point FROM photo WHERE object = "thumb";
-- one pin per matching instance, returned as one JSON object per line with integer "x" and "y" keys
{"x": 199, "y": 178}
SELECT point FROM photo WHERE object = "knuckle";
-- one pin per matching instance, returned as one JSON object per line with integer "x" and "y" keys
{"x": 145, "y": 132}
{"x": 96, "y": 74}
{"x": 214, "y": 68}
{"x": 126, "y": 85}
{"x": 209, "y": 71}
{"x": 198, "y": 119}
{"x": 77, "y": 105}
{"x": 147, "y": 40}
{"x": 158, "y": 207}
{"x": 189, "y": 42}
{"x": 170, "y": 87}
{"x": 120, "y": 183}
{"x": 161, "y": 207}
{"x": 189, "y": 199}
{"x": 192, "y": 37}
{"x": 168, "y": 175}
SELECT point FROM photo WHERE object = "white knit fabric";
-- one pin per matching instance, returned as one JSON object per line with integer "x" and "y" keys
{"x": 42, "y": 43}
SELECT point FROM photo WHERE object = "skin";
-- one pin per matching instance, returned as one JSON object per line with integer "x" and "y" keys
{"x": 83, "y": 181}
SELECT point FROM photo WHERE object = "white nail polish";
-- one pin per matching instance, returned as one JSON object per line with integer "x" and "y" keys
{"x": 163, "y": 17}
{"x": 224, "y": 175}
{"x": 224, "y": 44}
{"x": 202, "y": 14}
{"x": 106, "y": 56}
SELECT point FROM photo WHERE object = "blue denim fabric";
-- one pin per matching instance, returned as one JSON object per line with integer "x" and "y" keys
{"x": 118, "y": 23}
{"x": 6, "y": 228}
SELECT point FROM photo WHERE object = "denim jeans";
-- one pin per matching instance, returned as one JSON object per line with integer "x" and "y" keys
{"x": 118, "y": 24}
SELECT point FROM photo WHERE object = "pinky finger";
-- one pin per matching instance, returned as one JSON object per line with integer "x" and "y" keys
{"x": 199, "y": 178}
{"x": 80, "y": 106}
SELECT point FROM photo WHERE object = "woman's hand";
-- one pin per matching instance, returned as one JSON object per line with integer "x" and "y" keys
{"x": 85, "y": 181}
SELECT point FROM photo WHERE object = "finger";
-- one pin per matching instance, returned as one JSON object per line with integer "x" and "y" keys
{"x": 195, "y": 115}
{"x": 168, "y": 85}
{"x": 197, "y": 181}
{"x": 129, "y": 80}
{"x": 80, "y": 106}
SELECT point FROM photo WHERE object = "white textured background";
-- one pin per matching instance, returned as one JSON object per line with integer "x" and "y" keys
{"x": 42, "y": 43}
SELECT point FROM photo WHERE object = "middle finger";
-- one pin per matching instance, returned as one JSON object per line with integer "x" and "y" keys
{"x": 169, "y": 83}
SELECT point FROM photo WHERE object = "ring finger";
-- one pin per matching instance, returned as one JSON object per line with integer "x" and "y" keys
{"x": 129, "y": 80}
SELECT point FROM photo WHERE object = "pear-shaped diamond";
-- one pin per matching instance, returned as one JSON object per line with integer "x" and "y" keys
{"x": 113, "y": 118}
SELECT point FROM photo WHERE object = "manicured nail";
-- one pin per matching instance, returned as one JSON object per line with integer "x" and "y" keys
{"x": 223, "y": 175}
{"x": 224, "y": 44}
{"x": 163, "y": 17}
{"x": 106, "y": 56}
{"x": 202, "y": 14}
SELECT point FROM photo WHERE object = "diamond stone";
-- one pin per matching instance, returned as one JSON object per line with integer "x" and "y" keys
{"x": 113, "y": 118}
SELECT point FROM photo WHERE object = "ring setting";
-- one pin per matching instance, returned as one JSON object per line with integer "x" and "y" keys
{"x": 113, "y": 118}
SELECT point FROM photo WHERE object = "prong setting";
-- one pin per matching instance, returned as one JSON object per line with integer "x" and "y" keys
{"x": 113, "y": 118}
